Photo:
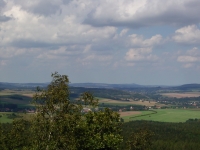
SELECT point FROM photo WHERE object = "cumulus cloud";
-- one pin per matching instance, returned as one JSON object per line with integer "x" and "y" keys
{"x": 10, "y": 52}
{"x": 29, "y": 30}
{"x": 187, "y": 35}
{"x": 59, "y": 33}
{"x": 187, "y": 59}
{"x": 140, "y": 54}
{"x": 190, "y": 58}
{"x": 94, "y": 57}
{"x": 138, "y": 40}
{"x": 3, "y": 18}
{"x": 134, "y": 14}
{"x": 40, "y": 7}
{"x": 62, "y": 52}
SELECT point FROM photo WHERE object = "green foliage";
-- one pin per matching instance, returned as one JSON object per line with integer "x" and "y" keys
{"x": 2, "y": 138}
{"x": 15, "y": 136}
{"x": 60, "y": 123}
{"x": 101, "y": 130}
{"x": 140, "y": 140}
{"x": 167, "y": 136}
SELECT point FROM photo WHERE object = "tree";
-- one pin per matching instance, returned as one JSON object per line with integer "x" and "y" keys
{"x": 15, "y": 136}
{"x": 140, "y": 140}
{"x": 60, "y": 124}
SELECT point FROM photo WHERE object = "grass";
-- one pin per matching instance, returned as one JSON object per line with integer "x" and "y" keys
{"x": 4, "y": 117}
{"x": 128, "y": 118}
{"x": 167, "y": 115}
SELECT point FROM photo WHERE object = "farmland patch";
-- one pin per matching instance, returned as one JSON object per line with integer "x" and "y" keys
{"x": 182, "y": 95}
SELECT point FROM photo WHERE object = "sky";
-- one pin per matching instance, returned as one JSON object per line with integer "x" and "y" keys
{"x": 147, "y": 42}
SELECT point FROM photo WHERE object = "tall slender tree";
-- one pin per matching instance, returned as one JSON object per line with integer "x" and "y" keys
{"x": 60, "y": 124}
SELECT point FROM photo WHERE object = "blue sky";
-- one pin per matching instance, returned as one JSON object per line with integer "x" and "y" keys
{"x": 149, "y": 42}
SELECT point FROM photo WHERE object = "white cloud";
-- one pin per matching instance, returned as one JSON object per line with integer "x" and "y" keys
{"x": 140, "y": 54}
{"x": 10, "y": 52}
{"x": 187, "y": 35}
{"x": 187, "y": 59}
{"x": 134, "y": 14}
{"x": 191, "y": 58}
{"x": 40, "y": 7}
{"x": 27, "y": 29}
{"x": 138, "y": 40}
{"x": 123, "y": 32}
{"x": 97, "y": 58}
{"x": 44, "y": 36}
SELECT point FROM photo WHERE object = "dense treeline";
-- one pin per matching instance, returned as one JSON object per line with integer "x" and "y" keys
{"x": 168, "y": 136}
{"x": 163, "y": 136}
{"x": 60, "y": 124}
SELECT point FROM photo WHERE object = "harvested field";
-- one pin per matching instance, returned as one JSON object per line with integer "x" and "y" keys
{"x": 18, "y": 92}
{"x": 182, "y": 95}
{"x": 131, "y": 102}
{"x": 129, "y": 113}
{"x": 29, "y": 95}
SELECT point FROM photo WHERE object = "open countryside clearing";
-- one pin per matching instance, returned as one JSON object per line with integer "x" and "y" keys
{"x": 131, "y": 102}
{"x": 182, "y": 95}
{"x": 129, "y": 113}
{"x": 18, "y": 92}
{"x": 165, "y": 115}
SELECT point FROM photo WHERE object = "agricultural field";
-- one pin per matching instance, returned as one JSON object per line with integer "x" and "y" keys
{"x": 4, "y": 117}
{"x": 182, "y": 95}
{"x": 128, "y": 114}
{"x": 165, "y": 115}
{"x": 124, "y": 103}
{"x": 28, "y": 93}
{"x": 19, "y": 97}
{"x": 8, "y": 117}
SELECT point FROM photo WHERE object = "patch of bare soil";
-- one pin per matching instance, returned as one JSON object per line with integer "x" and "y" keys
{"x": 129, "y": 113}
{"x": 28, "y": 95}
{"x": 181, "y": 95}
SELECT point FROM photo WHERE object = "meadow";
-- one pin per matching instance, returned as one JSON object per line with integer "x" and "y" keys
{"x": 165, "y": 115}
{"x": 4, "y": 117}
{"x": 8, "y": 117}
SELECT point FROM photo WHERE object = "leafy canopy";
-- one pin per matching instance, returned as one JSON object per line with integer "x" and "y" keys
{"x": 60, "y": 124}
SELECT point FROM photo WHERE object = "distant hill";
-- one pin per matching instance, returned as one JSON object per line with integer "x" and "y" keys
{"x": 104, "y": 85}
{"x": 189, "y": 86}
{"x": 6, "y": 85}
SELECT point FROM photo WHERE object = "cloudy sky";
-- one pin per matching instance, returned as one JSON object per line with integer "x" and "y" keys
{"x": 149, "y": 42}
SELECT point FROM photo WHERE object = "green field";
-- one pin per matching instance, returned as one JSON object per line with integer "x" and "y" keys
{"x": 128, "y": 118}
{"x": 4, "y": 117}
{"x": 167, "y": 115}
